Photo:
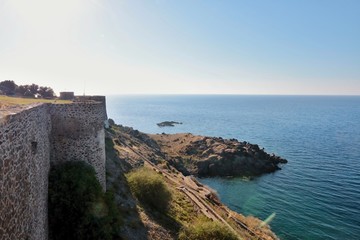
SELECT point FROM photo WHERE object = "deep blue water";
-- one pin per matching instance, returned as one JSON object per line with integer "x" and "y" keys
{"x": 316, "y": 195}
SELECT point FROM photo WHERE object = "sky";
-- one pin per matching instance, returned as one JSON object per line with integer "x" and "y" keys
{"x": 107, "y": 47}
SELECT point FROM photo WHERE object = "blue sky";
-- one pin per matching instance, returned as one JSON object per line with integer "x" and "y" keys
{"x": 183, "y": 46}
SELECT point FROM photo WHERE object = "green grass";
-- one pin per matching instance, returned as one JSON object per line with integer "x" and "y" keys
{"x": 24, "y": 101}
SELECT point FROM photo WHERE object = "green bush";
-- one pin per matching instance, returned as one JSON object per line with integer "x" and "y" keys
{"x": 150, "y": 189}
{"x": 78, "y": 208}
{"x": 205, "y": 229}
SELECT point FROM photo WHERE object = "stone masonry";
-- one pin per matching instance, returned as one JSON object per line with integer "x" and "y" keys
{"x": 31, "y": 139}
{"x": 24, "y": 169}
{"x": 78, "y": 135}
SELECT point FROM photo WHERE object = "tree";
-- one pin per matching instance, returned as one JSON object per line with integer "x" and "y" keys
{"x": 34, "y": 88}
{"x": 46, "y": 92}
{"x": 8, "y": 87}
{"x": 21, "y": 90}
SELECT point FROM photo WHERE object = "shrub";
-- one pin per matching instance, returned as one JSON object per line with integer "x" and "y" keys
{"x": 205, "y": 229}
{"x": 78, "y": 208}
{"x": 150, "y": 189}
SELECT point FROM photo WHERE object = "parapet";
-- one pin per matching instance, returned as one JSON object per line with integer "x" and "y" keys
{"x": 90, "y": 99}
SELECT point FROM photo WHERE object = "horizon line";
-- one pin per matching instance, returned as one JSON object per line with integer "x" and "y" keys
{"x": 231, "y": 94}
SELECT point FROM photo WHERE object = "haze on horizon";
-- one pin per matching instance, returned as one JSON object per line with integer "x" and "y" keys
{"x": 183, "y": 47}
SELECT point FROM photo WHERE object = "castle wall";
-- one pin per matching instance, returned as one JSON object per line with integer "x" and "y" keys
{"x": 31, "y": 139}
{"x": 24, "y": 169}
{"x": 99, "y": 99}
{"x": 78, "y": 135}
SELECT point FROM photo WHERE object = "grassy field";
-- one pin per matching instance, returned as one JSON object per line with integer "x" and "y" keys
{"x": 7, "y": 101}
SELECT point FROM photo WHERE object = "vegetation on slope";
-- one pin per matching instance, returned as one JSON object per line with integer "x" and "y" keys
{"x": 173, "y": 210}
{"x": 150, "y": 189}
{"x": 205, "y": 229}
{"x": 78, "y": 208}
{"x": 128, "y": 149}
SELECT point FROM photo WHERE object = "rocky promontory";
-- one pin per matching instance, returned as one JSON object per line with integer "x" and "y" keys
{"x": 172, "y": 156}
{"x": 215, "y": 156}
{"x": 197, "y": 155}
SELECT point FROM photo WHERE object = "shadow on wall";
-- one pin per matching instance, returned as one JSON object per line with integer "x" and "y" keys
{"x": 30, "y": 139}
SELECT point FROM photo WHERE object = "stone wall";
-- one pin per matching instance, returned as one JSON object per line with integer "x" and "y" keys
{"x": 31, "y": 139}
{"x": 24, "y": 169}
{"x": 98, "y": 99}
{"x": 78, "y": 135}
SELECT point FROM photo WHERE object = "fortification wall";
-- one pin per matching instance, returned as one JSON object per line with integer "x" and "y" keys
{"x": 24, "y": 169}
{"x": 98, "y": 99}
{"x": 32, "y": 139}
{"x": 78, "y": 135}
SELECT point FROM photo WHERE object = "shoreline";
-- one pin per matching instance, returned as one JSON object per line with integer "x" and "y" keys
{"x": 136, "y": 149}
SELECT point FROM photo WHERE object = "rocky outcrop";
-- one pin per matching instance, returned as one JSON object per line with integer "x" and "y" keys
{"x": 168, "y": 124}
{"x": 197, "y": 155}
{"x": 129, "y": 148}
{"x": 215, "y": 156}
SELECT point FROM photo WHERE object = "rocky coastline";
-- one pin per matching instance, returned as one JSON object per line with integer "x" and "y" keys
{"x": 177, "y": 157}
{"x": 200, "y": 155}
{"x": 214, "y": 156}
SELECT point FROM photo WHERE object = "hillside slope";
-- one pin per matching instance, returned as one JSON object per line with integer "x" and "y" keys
{"x": 128, "y": 149}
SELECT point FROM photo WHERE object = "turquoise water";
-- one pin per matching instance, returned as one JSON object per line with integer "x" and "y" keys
{"x": 316, "y": 195}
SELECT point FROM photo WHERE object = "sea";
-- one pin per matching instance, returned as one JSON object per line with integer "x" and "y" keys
{"x": 316, "y": 195}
